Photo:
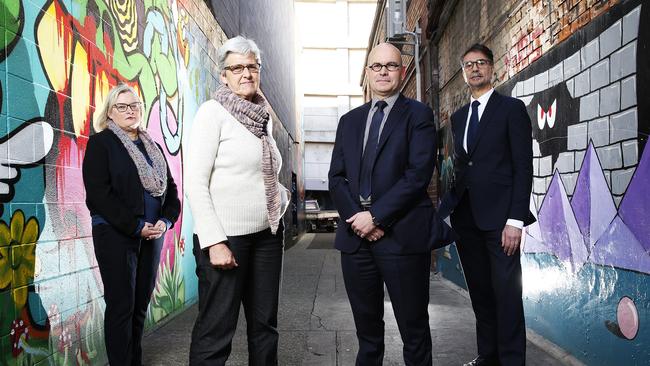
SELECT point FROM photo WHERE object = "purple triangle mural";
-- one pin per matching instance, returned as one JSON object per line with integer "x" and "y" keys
{"x": 535, "y": 245}
{"x": 533, "y": 240}
{"x": 559, "y": 228}
{"x": 592, "y": 200}
{"x": 635, "y": 206}
{"x": 618, "y": 247}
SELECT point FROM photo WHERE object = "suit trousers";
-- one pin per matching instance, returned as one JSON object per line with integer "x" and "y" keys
{"x": 255, "y": 283}
{"x": 128, "y": 267}
{"x": 407, "y": 279}
{"x": 494, "y": 283}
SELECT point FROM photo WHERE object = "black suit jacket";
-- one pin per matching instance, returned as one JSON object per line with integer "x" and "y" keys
{"x": 405, "y": 160}
{"x": 497, "y": 171}
{"x": 113, "y": 187}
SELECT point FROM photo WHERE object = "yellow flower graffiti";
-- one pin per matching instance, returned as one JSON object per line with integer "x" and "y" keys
{"x": 18, "y": 255}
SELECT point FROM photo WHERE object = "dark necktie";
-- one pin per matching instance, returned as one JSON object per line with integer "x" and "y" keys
{"x": 370, "y": 151}
{"x": 473, "y": 125}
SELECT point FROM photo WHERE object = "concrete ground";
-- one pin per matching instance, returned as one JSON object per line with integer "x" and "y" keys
{"x": 316, "y": 324}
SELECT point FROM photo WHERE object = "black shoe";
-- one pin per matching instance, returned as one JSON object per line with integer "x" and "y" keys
{"x": 482, "y": 361}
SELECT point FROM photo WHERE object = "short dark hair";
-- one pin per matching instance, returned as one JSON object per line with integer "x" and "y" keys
{"x": 479, "y": 47}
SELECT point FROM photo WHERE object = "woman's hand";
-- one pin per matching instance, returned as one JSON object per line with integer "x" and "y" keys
{"x": 221, "y": 257}
{"x": 151, "y": 232}
{"x": 162, "y": 226}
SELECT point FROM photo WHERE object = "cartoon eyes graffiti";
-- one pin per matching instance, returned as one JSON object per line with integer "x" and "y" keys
{"x": 546, "y": 116}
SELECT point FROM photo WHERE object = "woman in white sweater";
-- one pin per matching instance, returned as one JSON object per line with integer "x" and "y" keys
{"x": 237, "y": 202}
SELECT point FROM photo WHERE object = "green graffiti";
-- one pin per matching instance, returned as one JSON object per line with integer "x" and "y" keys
{"x": 11, "y": 25}
{"x": 169, "y": 293}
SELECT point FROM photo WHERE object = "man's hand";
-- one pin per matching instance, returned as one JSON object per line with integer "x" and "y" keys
{"x": 221, "y": 257}
{"x": 375, "y": 235}
{"x": 361, "y": 223}
{"x": 150, "y": 232}
{"x": 510, "y": 239}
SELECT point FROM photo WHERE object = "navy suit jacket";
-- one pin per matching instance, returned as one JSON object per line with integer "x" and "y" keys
{"x": 406, "y": 156}
{"x": 497, "y": 171}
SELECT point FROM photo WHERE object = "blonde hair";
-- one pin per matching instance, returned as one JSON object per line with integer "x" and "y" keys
{"x": 100, "y": 121}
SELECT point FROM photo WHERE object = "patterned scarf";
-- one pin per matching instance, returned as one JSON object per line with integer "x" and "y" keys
{"x": 253, "y": 115}
{"x": 153, "y": 178}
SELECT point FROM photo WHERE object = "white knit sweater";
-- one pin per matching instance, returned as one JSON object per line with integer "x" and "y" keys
{"x": 223, "y": 176}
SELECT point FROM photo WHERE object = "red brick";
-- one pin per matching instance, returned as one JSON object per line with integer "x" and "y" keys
{"x": 598, "y": 9}
{"x": 535, "y": 55}
{"x": 564, "y": 33}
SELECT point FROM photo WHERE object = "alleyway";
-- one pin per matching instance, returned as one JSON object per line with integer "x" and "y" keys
{"x": 316, "y": 325}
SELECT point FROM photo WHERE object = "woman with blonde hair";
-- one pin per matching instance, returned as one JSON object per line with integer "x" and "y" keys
{"x": 133, "y": 201}
{"x": 237, "y": 202}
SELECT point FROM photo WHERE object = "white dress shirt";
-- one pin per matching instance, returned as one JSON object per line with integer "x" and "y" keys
{"x": 483, "y": 100}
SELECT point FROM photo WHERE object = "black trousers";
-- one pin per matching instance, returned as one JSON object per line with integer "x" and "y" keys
{"x": 128, "y": 267}
{"x": 494, "y": 283}
{"x": 407, "y": 280}
{"x": 255, "y": 283}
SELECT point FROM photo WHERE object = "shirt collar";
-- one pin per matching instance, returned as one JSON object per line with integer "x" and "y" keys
{"x": 483, "y": 99}
{"x": 390, "y": 101}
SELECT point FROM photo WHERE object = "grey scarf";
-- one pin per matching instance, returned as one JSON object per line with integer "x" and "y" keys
{"x": 253, "y": 116}
{"x": 153, "y": 177}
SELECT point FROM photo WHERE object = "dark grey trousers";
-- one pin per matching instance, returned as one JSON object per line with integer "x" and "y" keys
{"x": 255, "y": 283}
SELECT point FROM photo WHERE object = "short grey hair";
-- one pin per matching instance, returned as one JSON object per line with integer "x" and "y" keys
{"x": 240, "y": 45}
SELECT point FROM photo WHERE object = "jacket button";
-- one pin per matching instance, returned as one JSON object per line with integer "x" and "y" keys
{"x": 470, "y": 163}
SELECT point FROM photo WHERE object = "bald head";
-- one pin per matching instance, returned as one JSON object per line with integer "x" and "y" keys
{"x": 382, "y": 81}
{"x": 384, "y": 49}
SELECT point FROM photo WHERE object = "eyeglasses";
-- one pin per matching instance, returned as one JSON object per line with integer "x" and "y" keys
{"x": 391, "y": 66}
{"x": 468, "y": 65}
{"x": 238, "y": 68}
{"x": 122, "y": 107}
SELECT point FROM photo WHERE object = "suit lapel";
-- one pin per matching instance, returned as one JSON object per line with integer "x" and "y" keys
{"x": 486, "y": 117}
{"x": 459, "y": 129}
{"x": 359, "y": 128}
{"x": 394, "y": 118}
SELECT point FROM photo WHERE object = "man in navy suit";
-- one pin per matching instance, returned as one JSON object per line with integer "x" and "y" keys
{"x": 490, "y": 205}
{"x": 383, "y": 160}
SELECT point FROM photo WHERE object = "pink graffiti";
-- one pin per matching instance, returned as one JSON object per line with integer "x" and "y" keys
{"x": 175, "y": 165}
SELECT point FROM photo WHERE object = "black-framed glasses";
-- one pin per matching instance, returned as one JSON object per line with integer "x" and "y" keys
{"x": 122, "y": 107}
{"x": 239, "y": 68}
{"x": 468, "y": 65}
{"x": 391, "y": 66}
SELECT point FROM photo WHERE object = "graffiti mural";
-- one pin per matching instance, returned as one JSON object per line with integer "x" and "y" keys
{"x": 58, "y": 61}
{"x": 586, "y": 265}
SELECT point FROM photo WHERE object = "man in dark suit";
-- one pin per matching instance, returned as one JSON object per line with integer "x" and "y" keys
{"x": 383, "y": 160}
{"x": 490, "y": 205}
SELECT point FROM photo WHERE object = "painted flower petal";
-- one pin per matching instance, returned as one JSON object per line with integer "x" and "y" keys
{"x": 5, "y": 268}
{"x": 30, "y": 233}
{"x": 20, "y": 297}
{"x": 24, "y": 264}
{"x": 5, "y": 234}
{"x": 17, "y": 225}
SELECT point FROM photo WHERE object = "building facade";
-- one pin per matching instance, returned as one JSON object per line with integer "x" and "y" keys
{"x": 331, "y": 39}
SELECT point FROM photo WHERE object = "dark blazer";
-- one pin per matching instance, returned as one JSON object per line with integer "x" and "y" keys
{"x": 497, "y": 172}
{"x": 113, "y": 187}
{"x": 406, "y": 156}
